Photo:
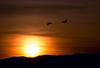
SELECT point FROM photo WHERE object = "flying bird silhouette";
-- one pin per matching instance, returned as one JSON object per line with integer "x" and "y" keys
{"x": 65, "y": 21}
{"x": 48, "y": 23}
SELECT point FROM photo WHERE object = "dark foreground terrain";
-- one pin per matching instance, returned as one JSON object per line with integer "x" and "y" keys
{"x": 48, "y": 61}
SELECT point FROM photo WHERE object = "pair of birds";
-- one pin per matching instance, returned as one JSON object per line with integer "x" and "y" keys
{"x": 49, "y": 23}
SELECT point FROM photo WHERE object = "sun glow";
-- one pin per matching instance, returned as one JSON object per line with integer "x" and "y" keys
{"x": 32, "y": 50}
{"x": 32, "y": 46}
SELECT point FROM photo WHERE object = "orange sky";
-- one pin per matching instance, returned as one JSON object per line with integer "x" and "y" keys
{"x": 80, "y": 35}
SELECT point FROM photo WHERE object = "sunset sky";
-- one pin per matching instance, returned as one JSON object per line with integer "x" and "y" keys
{"x": 26, "y": 20}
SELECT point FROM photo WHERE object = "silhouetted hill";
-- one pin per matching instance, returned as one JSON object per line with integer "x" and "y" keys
{"x": 48, "y": 61}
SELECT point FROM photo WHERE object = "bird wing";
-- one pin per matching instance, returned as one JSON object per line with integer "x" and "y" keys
{"x": 65, "y": 21}
{"x": 49, "y": 23}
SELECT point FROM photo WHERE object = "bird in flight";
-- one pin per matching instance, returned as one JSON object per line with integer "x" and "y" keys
{"x": 48, "y": 23}
{"x": 65, "y": 21}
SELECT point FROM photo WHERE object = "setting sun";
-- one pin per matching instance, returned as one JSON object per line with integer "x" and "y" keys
{"x": 32, "y": 46}
{"x": 32, "y": 50}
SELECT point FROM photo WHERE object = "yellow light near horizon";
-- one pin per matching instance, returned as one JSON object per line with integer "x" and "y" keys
{"x": 32, "y": 50}
{"x": 32, "y": 46}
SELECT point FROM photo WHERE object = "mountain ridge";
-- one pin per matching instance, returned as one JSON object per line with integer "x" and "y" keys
{"x": 46, "y": 61}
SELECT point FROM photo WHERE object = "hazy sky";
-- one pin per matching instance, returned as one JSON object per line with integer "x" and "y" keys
{"x": 29, "y": 17}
